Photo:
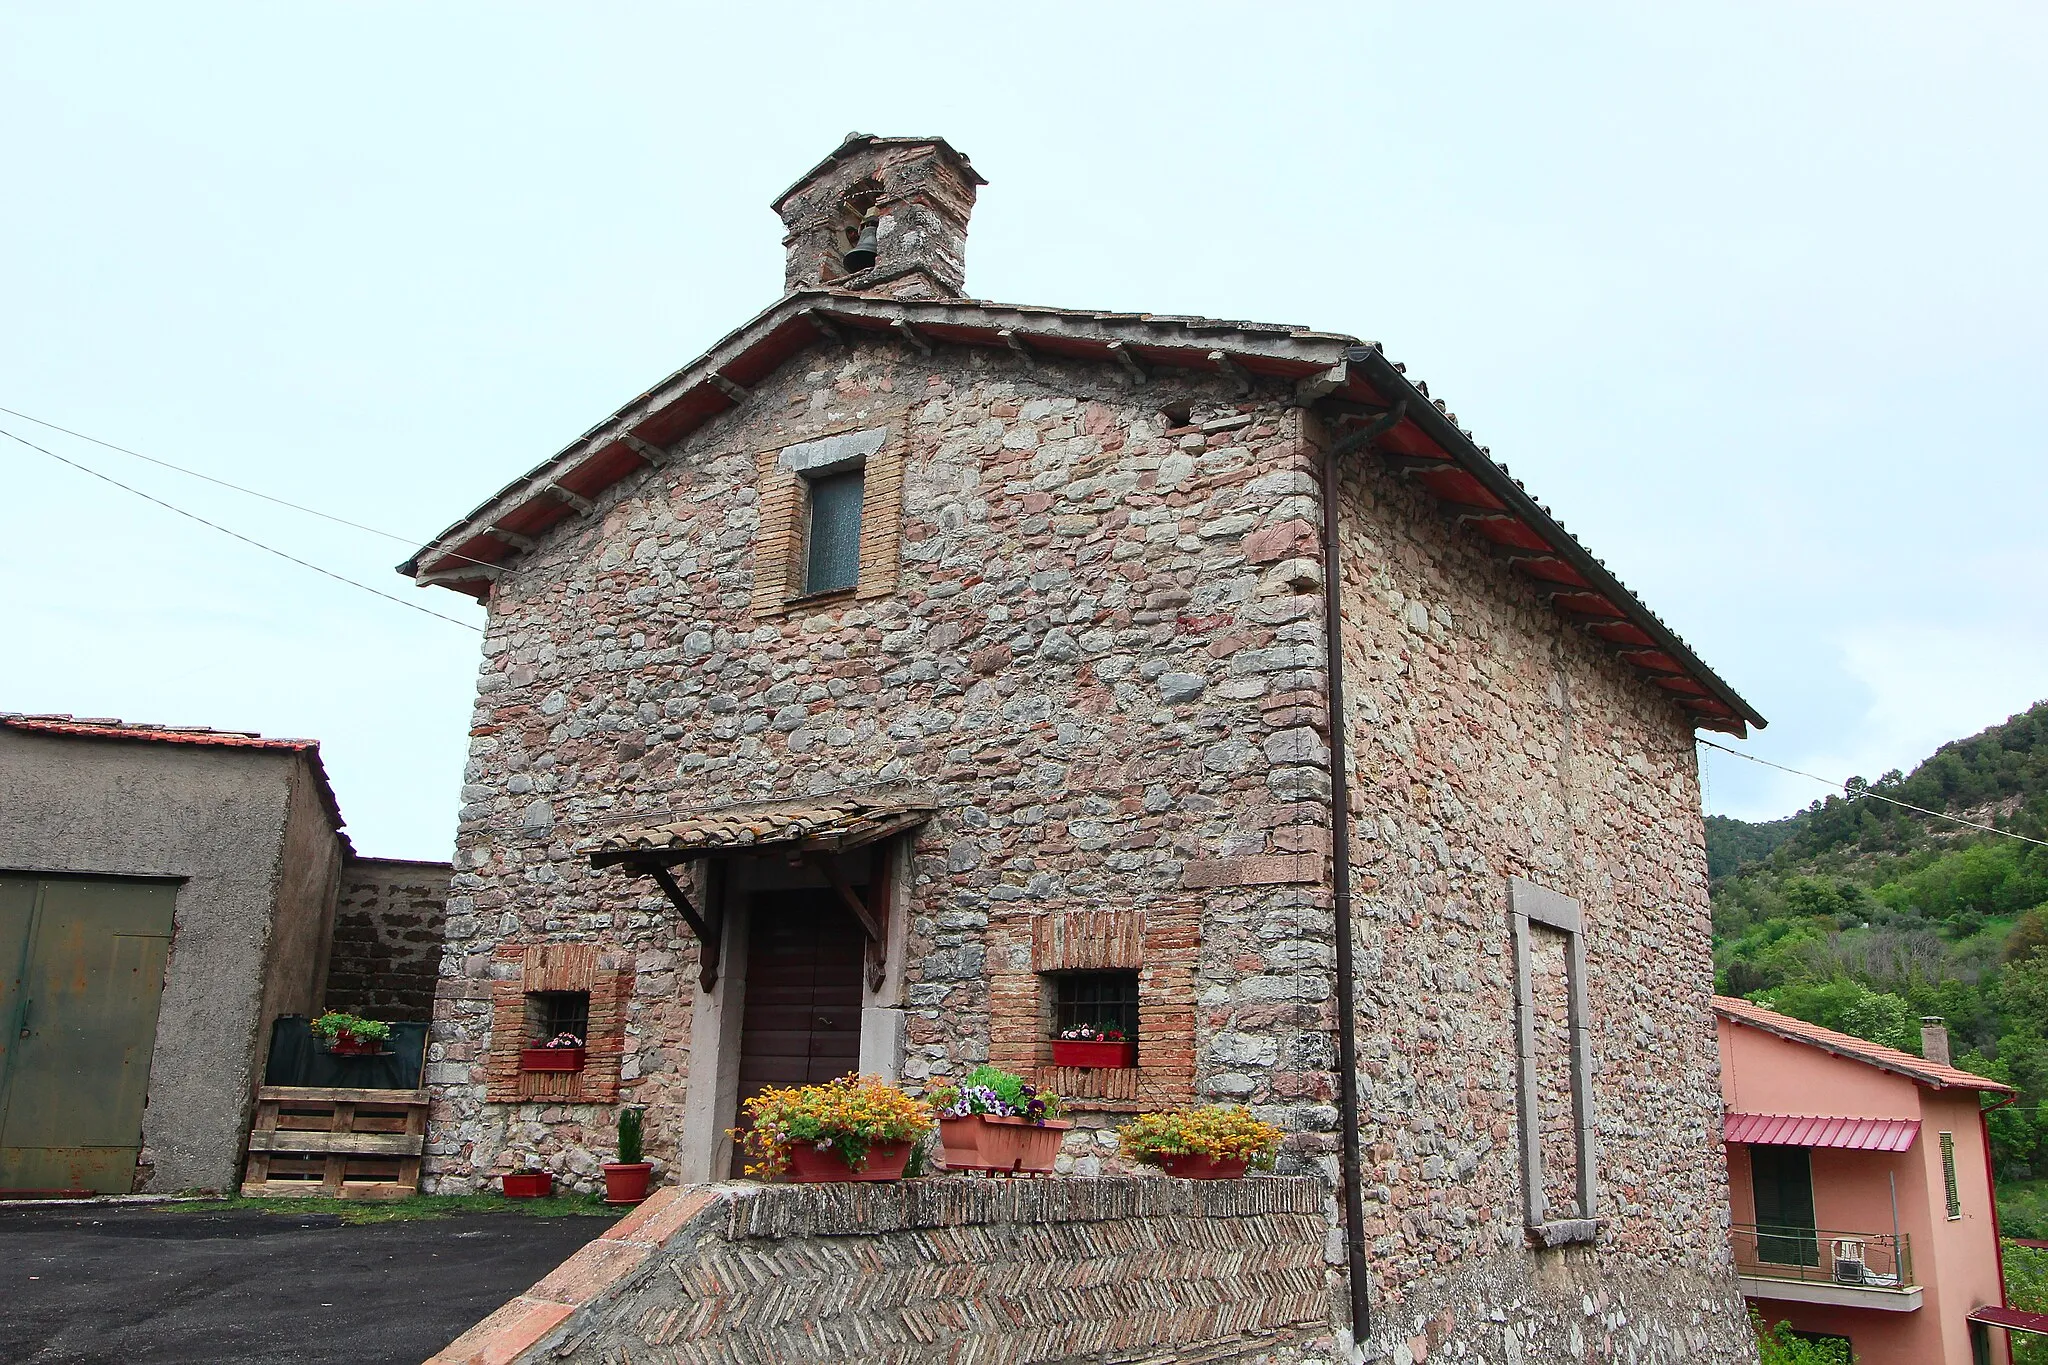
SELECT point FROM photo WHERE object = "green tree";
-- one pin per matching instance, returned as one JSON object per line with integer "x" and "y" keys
{"x": 1778, "y": 1346}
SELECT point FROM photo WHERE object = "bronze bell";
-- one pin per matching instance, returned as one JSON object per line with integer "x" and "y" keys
{"x": 863, "y": 254}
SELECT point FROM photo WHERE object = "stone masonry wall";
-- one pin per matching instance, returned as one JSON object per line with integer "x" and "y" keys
{"x": 1488, "y": 741}
{"x": 386, "y": 958}
{"x": 999, "y": 1272}
{"x": 1101, "y": 658}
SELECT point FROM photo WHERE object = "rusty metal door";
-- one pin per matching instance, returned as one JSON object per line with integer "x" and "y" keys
{"x": 81, "y": 974}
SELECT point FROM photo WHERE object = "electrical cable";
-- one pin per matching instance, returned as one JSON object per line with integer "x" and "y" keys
{"x": 267, "y": 549}
{"x": 1875, "y": 796}
{"x": 251, "y": 492}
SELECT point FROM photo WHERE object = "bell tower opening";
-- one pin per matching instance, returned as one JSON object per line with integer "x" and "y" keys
{"x": 881, "y": 215}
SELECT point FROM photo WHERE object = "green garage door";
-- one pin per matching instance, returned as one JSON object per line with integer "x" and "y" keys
{"x": 81, "y": 971}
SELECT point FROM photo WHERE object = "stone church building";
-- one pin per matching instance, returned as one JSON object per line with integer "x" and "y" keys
{"x": 911, "y": 676}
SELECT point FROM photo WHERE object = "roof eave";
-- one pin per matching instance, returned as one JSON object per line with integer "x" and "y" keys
{"x": 1394, "y": 386}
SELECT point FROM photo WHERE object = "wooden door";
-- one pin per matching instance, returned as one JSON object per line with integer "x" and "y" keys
{"x": 801, "y": 1024}
{"x": 1782, "y": 1178}
{"x": 81, "y": 975}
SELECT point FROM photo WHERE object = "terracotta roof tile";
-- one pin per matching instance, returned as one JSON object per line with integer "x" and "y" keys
{"x": 1855, "y": 1049}
{"x": 826, "y": 822}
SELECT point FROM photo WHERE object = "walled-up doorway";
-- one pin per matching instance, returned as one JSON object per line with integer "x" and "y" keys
{"x": 801, "y": 1021}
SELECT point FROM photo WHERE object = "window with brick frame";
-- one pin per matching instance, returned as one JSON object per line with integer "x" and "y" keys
{"x": 549, "y": 1014}
{"x": 830, "y": 521}
{"x": 1099, "y": 1001}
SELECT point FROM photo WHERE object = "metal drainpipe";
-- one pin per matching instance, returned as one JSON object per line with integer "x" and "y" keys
{"x": 1352, "y": 1165}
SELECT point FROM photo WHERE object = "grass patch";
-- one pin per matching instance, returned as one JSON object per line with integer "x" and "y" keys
{"x": 418, "y": 1207}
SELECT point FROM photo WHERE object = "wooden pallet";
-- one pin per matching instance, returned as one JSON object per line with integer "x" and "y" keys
{"x": 316, "y": 1141}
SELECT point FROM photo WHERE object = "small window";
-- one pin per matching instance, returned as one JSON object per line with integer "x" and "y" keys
{"x": 1096, "y": 1000}
{"x": 832, "y": 558}
{"x": 550, "y": 1014}
{"x": 1948, "y": 1176}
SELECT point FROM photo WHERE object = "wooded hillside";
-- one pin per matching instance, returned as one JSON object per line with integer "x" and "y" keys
{"x": 1863, "y": 916}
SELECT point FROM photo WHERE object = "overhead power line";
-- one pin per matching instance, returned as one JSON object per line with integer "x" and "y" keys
{"x": 267, "y": 549}
{"x": 1875, "y": 796}
{"x": 239, "y": 488}
{"x": 222, "y": 483}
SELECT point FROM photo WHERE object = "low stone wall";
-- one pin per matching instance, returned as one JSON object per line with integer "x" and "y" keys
{"x": 999, "y": 1272}
{"x": 388, "y": 927}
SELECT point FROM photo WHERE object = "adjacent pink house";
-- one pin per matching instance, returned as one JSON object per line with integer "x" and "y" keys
{"x": 1860, "y": 1183}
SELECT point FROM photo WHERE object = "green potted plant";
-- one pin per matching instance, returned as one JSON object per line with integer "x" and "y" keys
{"x": 563, "y": 1052}
{"x": 349, "y": 1035}
{"x": 1214, "y": 1142}
{"x": 625, "y": 1180}
{"x": 998, "y": 1122}
{"x": 853, "y": 1128}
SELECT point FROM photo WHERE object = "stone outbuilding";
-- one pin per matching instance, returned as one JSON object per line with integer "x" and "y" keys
{"x": 166, "y": 894}
{"x": 911, "y": 677}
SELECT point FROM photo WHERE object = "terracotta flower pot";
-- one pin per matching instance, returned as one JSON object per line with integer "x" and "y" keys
{"x": 529, "y": 1185}
{"x": 551, "y": 1059}
{"x": 626, "y": 1182}
{"x": 809, "y": 1166}
{"x": 982, "y": 1142}
{"x": 1200, "y": 1167}
{"x": 1081, "y": 1052}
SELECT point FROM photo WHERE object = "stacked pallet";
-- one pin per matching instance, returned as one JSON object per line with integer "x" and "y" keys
{"x": 340, "y": 1144}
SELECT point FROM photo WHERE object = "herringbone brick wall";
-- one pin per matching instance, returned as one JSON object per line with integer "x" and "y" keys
{"x": 997, "y": 1272}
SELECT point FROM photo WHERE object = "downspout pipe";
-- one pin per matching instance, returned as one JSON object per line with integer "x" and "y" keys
{"x": 1351, "y": 1165}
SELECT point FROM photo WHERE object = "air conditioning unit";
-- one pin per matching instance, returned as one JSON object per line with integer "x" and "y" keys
{"x": 1849, "y": 1264}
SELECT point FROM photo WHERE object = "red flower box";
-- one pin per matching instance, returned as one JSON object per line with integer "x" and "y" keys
{"x": 529, "y": 1185}
{"x": 809, "y": 1166}
{"x": 348, "y": 1045}
{"x": 551, "y": 1059}
{"x": 1079, "y": 1052}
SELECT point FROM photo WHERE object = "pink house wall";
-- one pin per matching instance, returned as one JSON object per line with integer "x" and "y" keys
{"x": 1955, "y": 1262}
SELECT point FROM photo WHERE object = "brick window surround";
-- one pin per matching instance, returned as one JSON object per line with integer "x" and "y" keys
{"x": 1530, "y": 906}
{"x": 1159, "y": 944}
{"x": 542, "y": 968}
{"x": 783, "y": 482}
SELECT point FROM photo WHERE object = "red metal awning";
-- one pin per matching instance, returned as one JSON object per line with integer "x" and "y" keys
{"x": 1792, "y": 1130}
{"x": 2012, "y": 1319}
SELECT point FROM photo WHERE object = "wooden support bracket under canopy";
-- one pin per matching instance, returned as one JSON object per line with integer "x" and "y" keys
{"x": 814, "y": 832}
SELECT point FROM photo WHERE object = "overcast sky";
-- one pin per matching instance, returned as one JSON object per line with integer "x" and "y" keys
{"x": 1751, "y": 295}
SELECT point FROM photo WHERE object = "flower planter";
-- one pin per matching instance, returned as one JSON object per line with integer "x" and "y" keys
{"x": 551, "y": 1059}
{"x": 529, "y": 1185}
{"x": 1196, "y": 1166}
{"x": 626, "y": 1182}
{"x": 348, "y": 1045}
{"x": 809, "y": 1166}
{"x": 983, "y": 1142}
{"x": 1077, "y": 1052}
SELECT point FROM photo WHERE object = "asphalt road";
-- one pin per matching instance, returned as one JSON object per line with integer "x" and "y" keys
{"x": 111, "y": 1285}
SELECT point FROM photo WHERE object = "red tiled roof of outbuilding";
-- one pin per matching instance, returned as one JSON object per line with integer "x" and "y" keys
{"x": 65, "y": 726}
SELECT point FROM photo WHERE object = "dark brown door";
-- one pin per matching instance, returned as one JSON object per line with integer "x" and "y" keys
{"x": 801, "y": 1024}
